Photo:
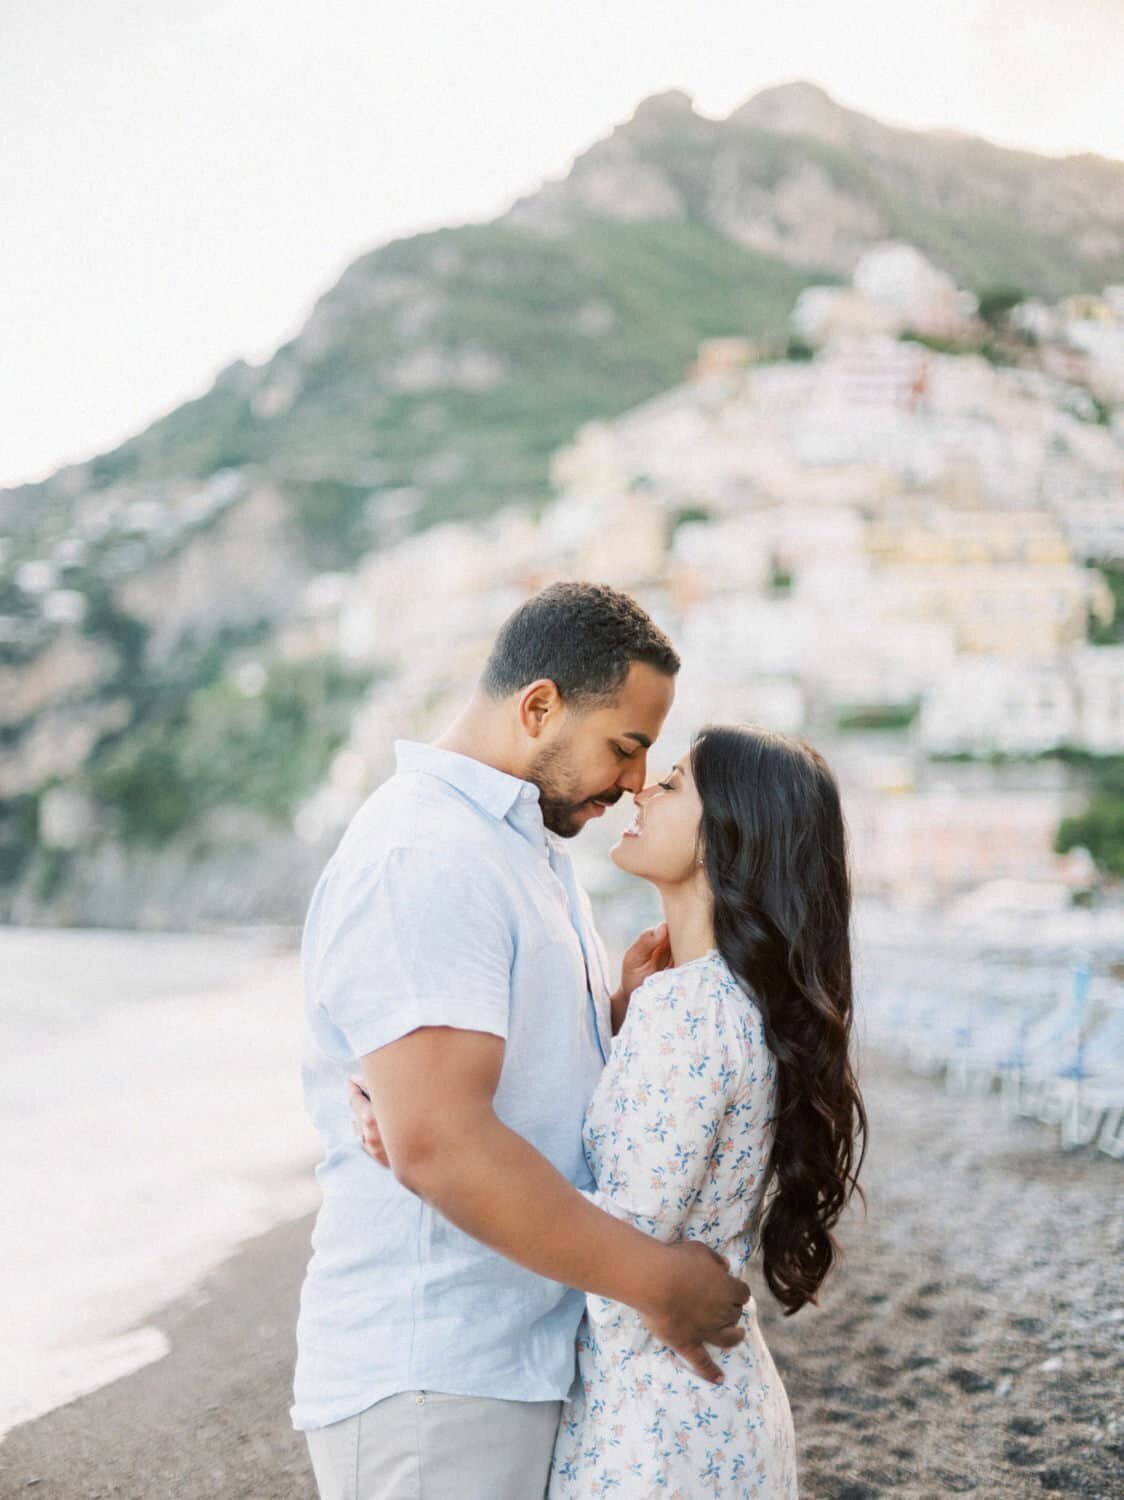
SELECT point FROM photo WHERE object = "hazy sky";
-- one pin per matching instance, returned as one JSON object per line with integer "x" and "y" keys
{"x": 180, "y": 179}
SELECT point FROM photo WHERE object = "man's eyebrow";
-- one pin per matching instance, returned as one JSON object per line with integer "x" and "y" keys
{"x": 634, "y": 734}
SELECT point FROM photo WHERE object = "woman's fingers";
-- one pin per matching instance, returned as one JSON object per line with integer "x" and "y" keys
{"x": 728, "y": 1337}
{"x": 701, "y": 1362}
{"x": 373, "y": 1146}
{"x": 364, "y": 1124}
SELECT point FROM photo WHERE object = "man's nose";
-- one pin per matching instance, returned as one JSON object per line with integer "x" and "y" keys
{"x": 633, "y": 775}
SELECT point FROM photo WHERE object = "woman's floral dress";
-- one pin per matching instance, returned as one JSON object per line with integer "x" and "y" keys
{"x": 677, "y": 1136}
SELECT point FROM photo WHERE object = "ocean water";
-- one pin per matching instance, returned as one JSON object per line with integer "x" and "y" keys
{"x": 150, "y": 1121}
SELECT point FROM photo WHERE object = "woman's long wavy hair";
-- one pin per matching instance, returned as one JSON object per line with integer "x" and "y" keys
{"x": 774, "y": 846}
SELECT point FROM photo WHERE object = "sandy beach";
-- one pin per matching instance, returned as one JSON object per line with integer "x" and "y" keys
{"x": 970, "y": 1343}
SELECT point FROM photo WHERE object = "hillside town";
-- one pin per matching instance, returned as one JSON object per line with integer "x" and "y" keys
{"x": 887, "y": 548}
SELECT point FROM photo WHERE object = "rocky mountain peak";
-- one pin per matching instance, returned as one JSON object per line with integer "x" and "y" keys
{"x": 669, "y": 108}
{"x": 797, "y": 108}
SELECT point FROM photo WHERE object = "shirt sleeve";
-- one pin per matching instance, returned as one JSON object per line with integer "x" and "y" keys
{"x": 423, "y": 938}
{"x": 674, "y": 1071}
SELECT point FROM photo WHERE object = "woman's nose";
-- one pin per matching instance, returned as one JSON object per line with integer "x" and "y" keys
{"x": 643, "y": 795}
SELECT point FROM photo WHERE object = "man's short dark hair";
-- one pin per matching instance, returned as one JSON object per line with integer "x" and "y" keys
{"x": 583, "y": 636}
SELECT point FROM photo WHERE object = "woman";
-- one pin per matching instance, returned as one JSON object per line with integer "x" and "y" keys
{"x": 728, "y": 1112}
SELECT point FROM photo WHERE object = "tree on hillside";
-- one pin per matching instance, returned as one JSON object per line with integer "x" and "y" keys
{"x": 1100, "y": 828}
{"x": 995, "y": 302}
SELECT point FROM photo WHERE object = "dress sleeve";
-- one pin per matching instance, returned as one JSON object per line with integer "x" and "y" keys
{"x": 672, "y": 1075}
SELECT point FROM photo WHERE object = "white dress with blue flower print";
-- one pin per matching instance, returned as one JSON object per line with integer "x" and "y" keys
{"x": 677, "y": 1136}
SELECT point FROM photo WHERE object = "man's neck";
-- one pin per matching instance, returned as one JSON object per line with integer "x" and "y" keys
{"x": 476, "y": 734}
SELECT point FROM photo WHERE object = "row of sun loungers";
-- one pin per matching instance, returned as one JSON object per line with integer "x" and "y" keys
{"x": 1045, "y": 1034}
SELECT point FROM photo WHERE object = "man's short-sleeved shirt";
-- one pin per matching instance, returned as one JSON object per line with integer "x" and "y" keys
{"x": 447, "y": 903}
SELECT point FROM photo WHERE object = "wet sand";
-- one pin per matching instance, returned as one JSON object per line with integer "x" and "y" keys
{"x": 972, "y": 1342}
{"x": 211, "y": 1419}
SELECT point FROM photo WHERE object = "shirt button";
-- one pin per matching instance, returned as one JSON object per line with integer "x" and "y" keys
{"x": 420, "y": 1400}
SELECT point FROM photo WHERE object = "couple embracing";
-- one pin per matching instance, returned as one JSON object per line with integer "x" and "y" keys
{"x": 535, "y": 1288}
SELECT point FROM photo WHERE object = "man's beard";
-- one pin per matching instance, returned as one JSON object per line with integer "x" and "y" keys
{"x": 557, "y": 793}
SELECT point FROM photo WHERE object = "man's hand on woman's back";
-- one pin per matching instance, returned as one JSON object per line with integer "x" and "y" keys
{"x": 696, "y": 1303}
{"x": 702, "y": 1304}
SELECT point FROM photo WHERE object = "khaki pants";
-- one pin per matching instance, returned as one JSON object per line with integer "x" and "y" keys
{"x": 422, "y": 1445}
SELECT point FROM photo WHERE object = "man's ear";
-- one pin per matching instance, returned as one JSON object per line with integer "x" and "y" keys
{"x": 540, "y": 704}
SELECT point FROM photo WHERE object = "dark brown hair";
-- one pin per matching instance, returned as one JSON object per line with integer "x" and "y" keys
{"x": 774, "y": 846}
{"x": 583, "y": 636}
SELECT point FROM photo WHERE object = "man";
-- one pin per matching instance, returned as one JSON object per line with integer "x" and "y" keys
{"x": 450, "y": 953}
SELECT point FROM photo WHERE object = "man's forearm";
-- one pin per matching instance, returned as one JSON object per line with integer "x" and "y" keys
{"x": 495, "y": 1186}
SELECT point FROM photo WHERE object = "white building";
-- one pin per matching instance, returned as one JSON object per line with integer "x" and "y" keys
{"x": 897, "y": 276}
{"x": 1099, "y": 678}
{"x": 985, "y": 703}
{"x": 1094, "y": 524}
{"x": 893, "y": 288}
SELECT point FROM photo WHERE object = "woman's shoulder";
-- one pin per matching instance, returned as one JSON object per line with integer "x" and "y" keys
{"x": 705, "y": 981}
{"x": 680, "y": 979}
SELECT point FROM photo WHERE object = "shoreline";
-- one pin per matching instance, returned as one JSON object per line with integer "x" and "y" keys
{"x": 969, "y": 1342}
{"x": 152, "y": 1123}
{"x": 210, "y": 1418}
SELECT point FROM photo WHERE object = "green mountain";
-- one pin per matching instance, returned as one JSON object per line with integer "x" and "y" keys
{"x": 454, "y": 363}
{"x": 451, "y": 364}
{"x": 433, "y": 381}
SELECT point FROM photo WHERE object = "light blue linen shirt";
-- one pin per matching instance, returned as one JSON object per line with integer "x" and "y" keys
{"x": 447, "y": 903}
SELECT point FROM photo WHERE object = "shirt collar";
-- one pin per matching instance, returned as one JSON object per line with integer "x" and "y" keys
{"x": 493, "y": 790}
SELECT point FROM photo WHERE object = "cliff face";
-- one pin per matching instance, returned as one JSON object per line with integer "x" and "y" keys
{"x": 244, "y": 569}
{"x": 794, "y": 175}
{"x": 239, "y": 867}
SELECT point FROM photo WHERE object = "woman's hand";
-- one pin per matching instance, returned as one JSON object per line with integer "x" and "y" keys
{"x": 363, "y": 1122}
{"x": 650, "y": 953}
